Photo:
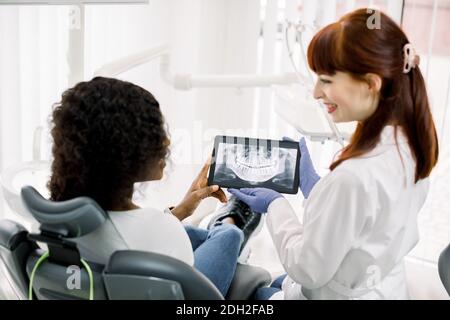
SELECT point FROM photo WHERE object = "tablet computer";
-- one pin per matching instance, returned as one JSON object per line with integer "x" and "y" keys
{"x": 239, "y": 162}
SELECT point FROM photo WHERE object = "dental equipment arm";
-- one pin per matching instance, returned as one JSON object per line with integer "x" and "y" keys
{"x": 308, "y": 82}
{"x": 190, "y": 81}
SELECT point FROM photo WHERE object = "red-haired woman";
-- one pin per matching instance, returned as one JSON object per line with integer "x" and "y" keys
{"x": 360, "y": 220}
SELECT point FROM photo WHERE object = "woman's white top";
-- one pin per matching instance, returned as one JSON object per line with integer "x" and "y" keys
{"x": 359, "y": 223}
{"x": 143, "y": 229}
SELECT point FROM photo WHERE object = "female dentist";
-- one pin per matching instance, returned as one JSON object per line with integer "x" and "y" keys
{"x": 360, "y": 220}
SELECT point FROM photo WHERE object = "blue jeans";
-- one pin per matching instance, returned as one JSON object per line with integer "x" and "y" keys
{"x": 266, "y": 292}
{"x": 216, "y": 252}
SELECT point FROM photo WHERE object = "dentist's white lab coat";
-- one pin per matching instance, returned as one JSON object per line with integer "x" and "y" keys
{"x": 359, "y": 223}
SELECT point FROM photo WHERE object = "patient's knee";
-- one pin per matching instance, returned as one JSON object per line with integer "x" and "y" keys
{"x": 230, "y": 231}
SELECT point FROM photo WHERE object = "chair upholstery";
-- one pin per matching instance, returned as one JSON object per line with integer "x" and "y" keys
{"x": 72, "y": 218}
{"x": 194, "y": 285}
{"x": 14, "y": 251}
{"x": 128, "y": 274}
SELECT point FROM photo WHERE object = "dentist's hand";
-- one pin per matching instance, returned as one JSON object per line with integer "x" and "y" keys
{"x": 308, "y": 175}
{"x": 258, "y": 199}
{"x": 198, "y": 191}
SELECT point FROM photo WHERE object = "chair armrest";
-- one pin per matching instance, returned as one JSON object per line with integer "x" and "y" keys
{"x": 246, "y": 280}
{"x": 194, "y": 284}
{"x": 11, "y": 234}
{"x": 444, "y": 268}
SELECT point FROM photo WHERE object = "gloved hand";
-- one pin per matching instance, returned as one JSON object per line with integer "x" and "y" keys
{"x": 308, "y": 175}
{"x": 258, "y": 199}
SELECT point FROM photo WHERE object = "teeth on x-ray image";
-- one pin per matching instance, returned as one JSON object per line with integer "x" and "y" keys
{"x": 255, "y": 164}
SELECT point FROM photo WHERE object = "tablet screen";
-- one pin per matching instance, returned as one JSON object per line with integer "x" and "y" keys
{"x": 249, "y": 163}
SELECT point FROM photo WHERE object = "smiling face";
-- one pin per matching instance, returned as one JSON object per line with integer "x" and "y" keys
{"x": 347, "y": 99}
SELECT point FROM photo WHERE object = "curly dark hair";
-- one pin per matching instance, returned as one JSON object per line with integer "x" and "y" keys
{"x": 107, "y": 134}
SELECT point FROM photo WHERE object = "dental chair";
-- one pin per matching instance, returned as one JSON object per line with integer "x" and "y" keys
{"x": 62, "y": 273}
{"x": 444, "y": 268}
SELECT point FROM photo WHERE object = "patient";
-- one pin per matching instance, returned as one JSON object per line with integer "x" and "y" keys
{"x": 109, "y": 134}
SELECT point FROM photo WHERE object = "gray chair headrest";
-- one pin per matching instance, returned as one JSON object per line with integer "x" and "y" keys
{"x": 72, "y": 218}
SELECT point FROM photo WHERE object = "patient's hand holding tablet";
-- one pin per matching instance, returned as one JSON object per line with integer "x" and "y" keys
{"x": 239, "y": 162}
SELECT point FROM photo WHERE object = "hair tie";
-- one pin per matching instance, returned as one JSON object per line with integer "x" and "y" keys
{"x": 410, "y": 58}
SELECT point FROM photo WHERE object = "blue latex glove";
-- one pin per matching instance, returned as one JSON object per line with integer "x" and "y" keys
{"x": 308, "y": 175}
{"x": 258, "y": 199}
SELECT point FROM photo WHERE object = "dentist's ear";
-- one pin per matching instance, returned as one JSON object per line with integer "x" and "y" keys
{"x": 374, "y": 81}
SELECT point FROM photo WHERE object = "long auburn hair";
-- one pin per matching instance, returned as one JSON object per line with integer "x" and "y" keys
{"x": 349, "y": 46}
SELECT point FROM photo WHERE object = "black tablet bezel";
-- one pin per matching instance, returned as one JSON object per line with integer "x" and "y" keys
{"x": 235, "y": 139}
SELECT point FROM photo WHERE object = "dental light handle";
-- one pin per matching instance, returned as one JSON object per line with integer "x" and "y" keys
{"x": 190, "y": 81}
